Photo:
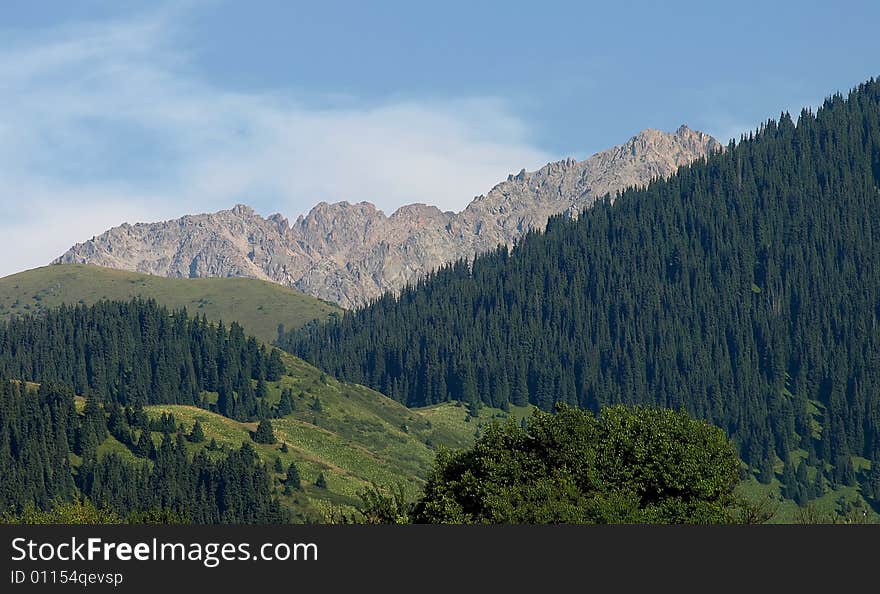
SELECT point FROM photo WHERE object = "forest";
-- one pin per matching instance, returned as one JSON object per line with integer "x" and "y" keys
{"x": 138, "y": 353}
{"x": 41, "y": 433}
{"x": 743, "y": 290}
{"x": 121, "y": 356}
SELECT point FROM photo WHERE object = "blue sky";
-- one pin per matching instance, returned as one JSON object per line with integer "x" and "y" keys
{"x": 119, "y": 111}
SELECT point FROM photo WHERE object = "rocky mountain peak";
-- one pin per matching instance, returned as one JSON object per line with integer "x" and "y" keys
{"x": 351, "y": 253}
{"x": 242, "y": 210}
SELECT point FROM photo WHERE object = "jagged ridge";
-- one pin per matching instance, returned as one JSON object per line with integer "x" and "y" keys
{"x": 351, "y": 253}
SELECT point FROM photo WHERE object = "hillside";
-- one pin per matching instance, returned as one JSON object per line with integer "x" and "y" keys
{"x": 743, "y": 289}
{"x": 258, "y": 306}
{"x": 352, "y": 253}
{"x": 356, "y": 438}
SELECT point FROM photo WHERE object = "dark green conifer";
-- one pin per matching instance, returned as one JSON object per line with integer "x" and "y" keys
{"x": 264, "y": 432}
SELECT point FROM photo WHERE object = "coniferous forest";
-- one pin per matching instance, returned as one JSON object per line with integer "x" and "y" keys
{"x": 743, "y": 289}
{"x": 138, "y": 353}
{"x": 122, "y": 356}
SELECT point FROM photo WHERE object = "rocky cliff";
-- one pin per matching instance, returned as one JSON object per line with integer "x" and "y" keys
{"x": 351, "y": 253}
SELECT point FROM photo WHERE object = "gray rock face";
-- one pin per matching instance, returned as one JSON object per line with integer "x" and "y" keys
{"x": 351, "y": 253}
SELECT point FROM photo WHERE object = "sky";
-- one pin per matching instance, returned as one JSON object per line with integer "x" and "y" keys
{"x": 118, "y": 111}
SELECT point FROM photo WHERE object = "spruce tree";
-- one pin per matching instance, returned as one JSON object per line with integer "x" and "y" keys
{"x": 293, "y": 480}
{"x": 286, "y": 405}
{"x": 196, "y": 435}
{"x": 264, "y": 433}
{"x": 789, "y": 480}
{"x": 766, "y": 473}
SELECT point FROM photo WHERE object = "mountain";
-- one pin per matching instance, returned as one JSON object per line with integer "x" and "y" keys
{"x": 352, "y": 253}
{"x": 258, "y": 306}
{"x": 742, "y": 288}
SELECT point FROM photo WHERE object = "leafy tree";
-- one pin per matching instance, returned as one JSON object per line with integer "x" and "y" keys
{"x": 78, "y": 511}
{"x": 379, "y": 507}
{"x": 627, "y": 465}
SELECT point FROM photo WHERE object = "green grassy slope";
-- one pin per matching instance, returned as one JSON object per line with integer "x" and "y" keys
{"x": 355, "y": 437}
{"x": 360, "y": 437}
{"x": 257, "y": 305}
{"x": 839, "y": 505}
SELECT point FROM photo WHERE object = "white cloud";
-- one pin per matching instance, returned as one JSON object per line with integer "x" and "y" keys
{"x": 103, "y": 123}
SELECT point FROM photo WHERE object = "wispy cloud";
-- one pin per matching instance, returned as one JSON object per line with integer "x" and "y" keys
{"x": 102, "y": 123}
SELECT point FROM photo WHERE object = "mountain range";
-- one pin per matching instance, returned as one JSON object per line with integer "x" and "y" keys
{"x": 352, "y": 253}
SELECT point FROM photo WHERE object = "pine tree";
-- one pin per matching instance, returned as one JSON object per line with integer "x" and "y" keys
{"x": 293, "y": 480}
{"x": 264, "y": 432}
{"x": 145, "y": 447}
{"x": 767, "y": 474}
{"x": 275, "y": 366}
{"x": 818, "y": 484}
{"x": 286, "y": 405}
{"x": 805, "y": 488}
{"x": 321, "y": 482}
{"x": 789, "y": 480}
{"x": 196, "y": 435}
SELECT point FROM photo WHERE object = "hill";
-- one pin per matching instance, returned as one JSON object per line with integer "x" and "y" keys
{"x": 742, "y": 289}
{"x": 355, "y": 437}
{"x": 352, "y": 253}
{"x": 258, "y": 306}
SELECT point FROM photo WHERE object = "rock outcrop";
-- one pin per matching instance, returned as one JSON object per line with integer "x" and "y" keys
{"x": 351, "y": 253}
